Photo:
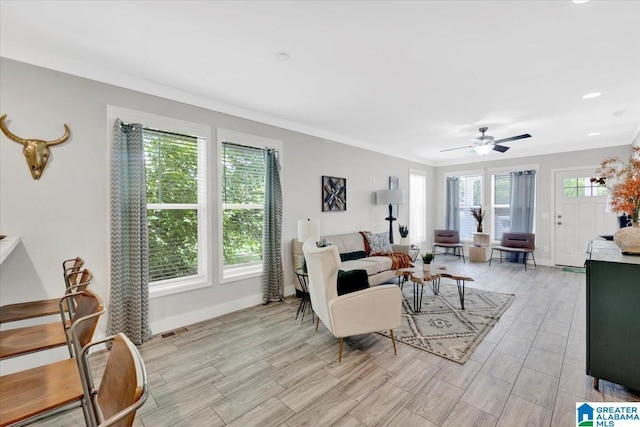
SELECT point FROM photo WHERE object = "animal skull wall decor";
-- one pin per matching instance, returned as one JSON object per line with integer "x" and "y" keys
{"x": 36, "y": 151}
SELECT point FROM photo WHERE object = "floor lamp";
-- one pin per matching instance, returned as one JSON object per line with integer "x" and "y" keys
{"x": 390, "y": 197}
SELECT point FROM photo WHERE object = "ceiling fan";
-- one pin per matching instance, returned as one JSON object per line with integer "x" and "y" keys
{"x": 484, "y": 144}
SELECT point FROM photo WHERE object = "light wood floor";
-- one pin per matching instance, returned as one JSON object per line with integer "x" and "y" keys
{"x": 260, "y": 367}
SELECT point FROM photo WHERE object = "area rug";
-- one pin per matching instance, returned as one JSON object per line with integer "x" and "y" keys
{"x": 442, "y": 327}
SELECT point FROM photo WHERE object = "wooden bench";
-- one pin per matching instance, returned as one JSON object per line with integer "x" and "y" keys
{"x": 517, "y": 243}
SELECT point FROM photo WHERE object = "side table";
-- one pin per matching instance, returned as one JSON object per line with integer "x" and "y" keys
{"x": 478, "y": 250}
{"x": 303, "y": 278}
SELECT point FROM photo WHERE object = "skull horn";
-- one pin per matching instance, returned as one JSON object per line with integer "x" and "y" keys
{"x": 9, "y": 134}
{"x": 16, "y": 138}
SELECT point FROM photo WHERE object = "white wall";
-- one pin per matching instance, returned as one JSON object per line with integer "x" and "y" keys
{"x": 546, "y": 165}
{"x": 64, "y": 214}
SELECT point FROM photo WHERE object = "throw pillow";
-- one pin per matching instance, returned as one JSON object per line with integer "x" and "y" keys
{"x": 323, "y": 243}
{"x": 379, "y": 243}
{"x": 351, "y": 281}
{"x": 349, "y": 256}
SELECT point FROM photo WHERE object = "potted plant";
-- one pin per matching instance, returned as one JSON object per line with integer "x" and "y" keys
{"x": 622, "y": 179}
{"x": 478, "y": 215}
{"x": 404, "y": 232}
{"x": 427, "y": 257}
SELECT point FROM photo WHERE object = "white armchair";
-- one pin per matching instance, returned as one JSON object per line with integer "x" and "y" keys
{"x": 361, "y": 312}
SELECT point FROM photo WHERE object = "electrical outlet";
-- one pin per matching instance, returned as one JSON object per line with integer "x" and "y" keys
{"x": 545, "y": 249}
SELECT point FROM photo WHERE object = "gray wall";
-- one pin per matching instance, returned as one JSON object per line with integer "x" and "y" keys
{"x": 66, "y": 213}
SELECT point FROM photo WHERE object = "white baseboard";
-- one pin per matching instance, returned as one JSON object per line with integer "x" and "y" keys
{"x": 175, "y": 322}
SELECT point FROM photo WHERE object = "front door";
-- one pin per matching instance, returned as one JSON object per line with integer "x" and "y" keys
{"x": 580, "y": 215}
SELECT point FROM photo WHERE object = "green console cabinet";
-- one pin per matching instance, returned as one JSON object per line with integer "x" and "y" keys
{"x": 613, "y": 315}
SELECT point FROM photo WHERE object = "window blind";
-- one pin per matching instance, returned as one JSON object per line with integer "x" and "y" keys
{"x": 243, "y": 180}
{"x": 171, "y": 162}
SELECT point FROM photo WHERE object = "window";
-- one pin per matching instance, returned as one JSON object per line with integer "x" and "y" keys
{"x": 243, "y": 174}
{"x": 178, "y": 208}
{"x": 175, "y": 204}
{"x": 512, "y": 212}
{"x": 501, "y": 207}
{"x": 241, "y": 188}
{"x": 470, "y": 196}
{"x": 417, "y": 207}
{"x": 582, "y": 187}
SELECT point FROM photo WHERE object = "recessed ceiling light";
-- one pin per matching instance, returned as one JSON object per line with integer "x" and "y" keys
{"x": 282, "y": 56}
{"x": 593, "y": 134}
{"x": 592, "y": 95}
{"x": 580, "y": 1}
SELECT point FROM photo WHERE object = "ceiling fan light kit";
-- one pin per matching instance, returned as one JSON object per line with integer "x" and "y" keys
{"x": 484, "y": 144}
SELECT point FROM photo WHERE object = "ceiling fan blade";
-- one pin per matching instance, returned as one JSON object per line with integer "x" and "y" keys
{"x": 513, "y": 138}
{"x": 457, "y": 148}
{"x": 500, "y": 148}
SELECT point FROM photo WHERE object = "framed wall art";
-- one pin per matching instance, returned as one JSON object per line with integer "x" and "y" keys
{"x": 334, "y": 194}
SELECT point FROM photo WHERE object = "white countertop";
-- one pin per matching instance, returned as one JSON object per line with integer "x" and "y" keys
{"x": 7, "y": 245}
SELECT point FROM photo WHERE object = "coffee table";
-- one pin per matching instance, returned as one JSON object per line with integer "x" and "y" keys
{"x": 419, "y": 277}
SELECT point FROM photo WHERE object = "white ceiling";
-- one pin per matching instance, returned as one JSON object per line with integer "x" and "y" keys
{"x": 403, "y": 78}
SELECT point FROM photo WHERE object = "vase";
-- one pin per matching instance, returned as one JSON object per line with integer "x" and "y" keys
{"x": 479, "y": 227}
{"x": 628, "y": 239}
{"x": 426, "y": 268}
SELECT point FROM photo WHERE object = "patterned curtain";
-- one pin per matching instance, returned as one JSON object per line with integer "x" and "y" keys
{"x": 452, "y": 220}
{"x": 523, "y": 191}
{"x": 129, "y": 299}
{"x": 272, "y": 270}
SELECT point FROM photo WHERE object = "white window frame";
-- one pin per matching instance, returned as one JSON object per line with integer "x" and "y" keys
{"x": 505, "y": 170}
{"x": 234, "y": 273}
{"x": 153, "y": 121}
{"x": 423, "y": 174}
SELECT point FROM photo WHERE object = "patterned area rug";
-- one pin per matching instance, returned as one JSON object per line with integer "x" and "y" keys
{"x": 442, "y": 327}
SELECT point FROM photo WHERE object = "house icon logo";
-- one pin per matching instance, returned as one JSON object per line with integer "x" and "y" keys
{"x": 585, "y": 415}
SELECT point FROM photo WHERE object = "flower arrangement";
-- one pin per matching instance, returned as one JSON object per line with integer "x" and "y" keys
{"x": 427, "y": 257}
{"x": 404, "y": 231}
{"x": 478, "y": 215}
{"x": 623, "y": 181}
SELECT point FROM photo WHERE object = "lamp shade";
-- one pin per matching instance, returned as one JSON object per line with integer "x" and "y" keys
{"x": 390, "y": 197}
{"x": 308, "y": 228}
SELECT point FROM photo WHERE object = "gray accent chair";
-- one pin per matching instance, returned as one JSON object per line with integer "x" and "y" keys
{"x": 448, "y": 239}
{"x": 517, "y": 243}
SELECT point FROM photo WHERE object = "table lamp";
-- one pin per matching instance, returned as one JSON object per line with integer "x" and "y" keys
{"x": 308, "y": 228}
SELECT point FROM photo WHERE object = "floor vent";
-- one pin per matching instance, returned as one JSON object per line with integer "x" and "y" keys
{"x": 173, "y": 333}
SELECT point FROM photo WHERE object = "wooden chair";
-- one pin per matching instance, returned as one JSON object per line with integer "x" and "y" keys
{"x": 30, "y": 395}
{"x": 40, "y": 308}
{"x": 448, "y": 239}
{"x": 123, "y": 387}
{"x": 14, "y": 342}
{"x": 517, "y": 243}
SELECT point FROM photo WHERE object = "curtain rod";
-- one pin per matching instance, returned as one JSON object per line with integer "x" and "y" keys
{"x": 250, "y": 146}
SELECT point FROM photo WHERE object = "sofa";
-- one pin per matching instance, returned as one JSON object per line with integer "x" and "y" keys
{"x": 353, "y": 254}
